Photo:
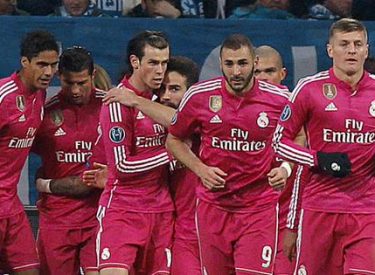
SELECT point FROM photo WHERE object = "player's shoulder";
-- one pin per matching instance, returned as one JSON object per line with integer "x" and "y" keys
{"x": 8, "y": 88}
{"x": 309, "y": 83}
{"x": 274, "y": 90}
{"x": 201, "y": 90}
{"x": 52, "y": 103}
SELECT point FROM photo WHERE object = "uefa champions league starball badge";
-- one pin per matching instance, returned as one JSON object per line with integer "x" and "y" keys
{"x": 263, "y": 120}
{"x": 372, "y": 108}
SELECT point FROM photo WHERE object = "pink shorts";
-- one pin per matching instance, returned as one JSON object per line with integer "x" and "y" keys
{"x": 185, "y": 257}
{"x": 240, "y": 243}
{"x": 336, "y": 243}
{"x": 282, "y": 264}
{"x": 133, "y": 240}
{"x": 64, "y": 251}
{"x": 17, "y": 244}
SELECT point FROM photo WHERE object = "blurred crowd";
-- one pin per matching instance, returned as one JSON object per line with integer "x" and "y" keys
{"x": 221, "y": 9}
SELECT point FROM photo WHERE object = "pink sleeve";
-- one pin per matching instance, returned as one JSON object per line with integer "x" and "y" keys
{"x": 292, "y": 119}
{"x": 117, "y": 134}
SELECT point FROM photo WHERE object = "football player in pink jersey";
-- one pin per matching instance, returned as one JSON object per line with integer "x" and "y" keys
{"x": 136, "y": 209}
{"x": 337, "y": 109}
{"x": 65, "y": 142}
{"x": 22, "y": 97}
{"x": 235, "y": 116}
{"x": 181, "y": 73}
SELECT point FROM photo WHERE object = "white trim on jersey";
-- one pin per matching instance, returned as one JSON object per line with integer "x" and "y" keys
{"x": 303, "y": 81}
{"x": 267, "y": 87}
{"x": 299, "y": 241}
{"x": 6, "y": 89}
{"x": 289, "y": 152}
{"x": 138, "y": 165}
{"x": 295, "y": 197}
{"x": 200, "y": 88}
{"x": 115, "y": 112}
{"x": 198, "y": 236}
{"x": 99, "y": 216}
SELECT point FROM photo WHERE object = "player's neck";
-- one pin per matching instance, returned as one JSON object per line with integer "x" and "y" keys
{"x": 25, "y": 82}
{"x": 137, "y": 83}
{"x": 351, "y": 79}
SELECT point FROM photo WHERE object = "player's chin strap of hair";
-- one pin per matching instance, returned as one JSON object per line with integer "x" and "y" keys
{"x": 287, "y": 167}
{"x": 43, "y": 185}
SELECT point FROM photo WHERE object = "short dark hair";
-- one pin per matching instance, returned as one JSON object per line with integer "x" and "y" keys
{"x": 76, "y": 59}
{"x": 347, "y": 25}
{"x": 185, "y": 67}
{"x": 36, "y": 42}
{"x": 236, "y": 41}
{"x": 136, "y": 45}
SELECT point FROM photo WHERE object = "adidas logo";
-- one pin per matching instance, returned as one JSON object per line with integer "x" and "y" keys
{"x": 216, "y": 119}
{"x": 140, "y": 115}
{"x": 331, "y": 107}
{"x": 22, "y": 118}
{"x": 60, "y": 132}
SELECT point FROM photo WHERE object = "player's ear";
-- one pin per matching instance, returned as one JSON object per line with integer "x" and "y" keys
{"x": 24, "y": 61}
{"x": 329, "y": 50}
{"x": 134, "y": 61}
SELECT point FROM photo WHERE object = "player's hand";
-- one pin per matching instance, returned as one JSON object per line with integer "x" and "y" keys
{"x": 212, "y": 177}
{"x": 122, "y": 95}
{"x": 277, "y": 178}
{"x": 96, "y": 177}
{"x": 290, "y": 244}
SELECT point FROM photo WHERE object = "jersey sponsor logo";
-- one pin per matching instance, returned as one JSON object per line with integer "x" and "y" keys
{"x": 155, "y": 141}
{"x": 287, "y": 112}
{"x": 216, "y": 103}
{"x": 238, "y": 141}
{"x": 20, "y": 102}
{"x": 216, "y": 119}
{"x": 57, "y": 117}
{"x": 140, "y": 115}
{"x": 60, "y": 132}
{"x": 26, "y": 142}
{"x": 372, "y": 109}
{"x": 331, "y": 107}
{"x": 329, "y": 91}
{"x": 117, "y": 134}
{"x": 354, "y": 133}
{"x": 263, "y": 120}
{"x": 105, "y": 254}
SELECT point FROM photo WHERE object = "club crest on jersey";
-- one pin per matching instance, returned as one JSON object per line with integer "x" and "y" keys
{"x": 302, "y": 270}
{"x": 216, "y": 103}
{"x": 105, "y": 254}
{"x": 117, "y": 134}
{"x": 329, "y": 91}
{"x": 57, "y": 117}
{"x": 372, "y": 108}
{"x": 287, "y": 112}
{"x": 263, "y": 120}
{"x": 20, "y": 102}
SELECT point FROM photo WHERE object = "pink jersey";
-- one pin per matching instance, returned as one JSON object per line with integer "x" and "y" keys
{"x": 136, "y": 157}
{"x": 65, "y": 142}
{"x": 183, "y": 184}
{"x": 336, "y": 119}
{"x": 21, "y": 112}
{"x": 236, "y": 134}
